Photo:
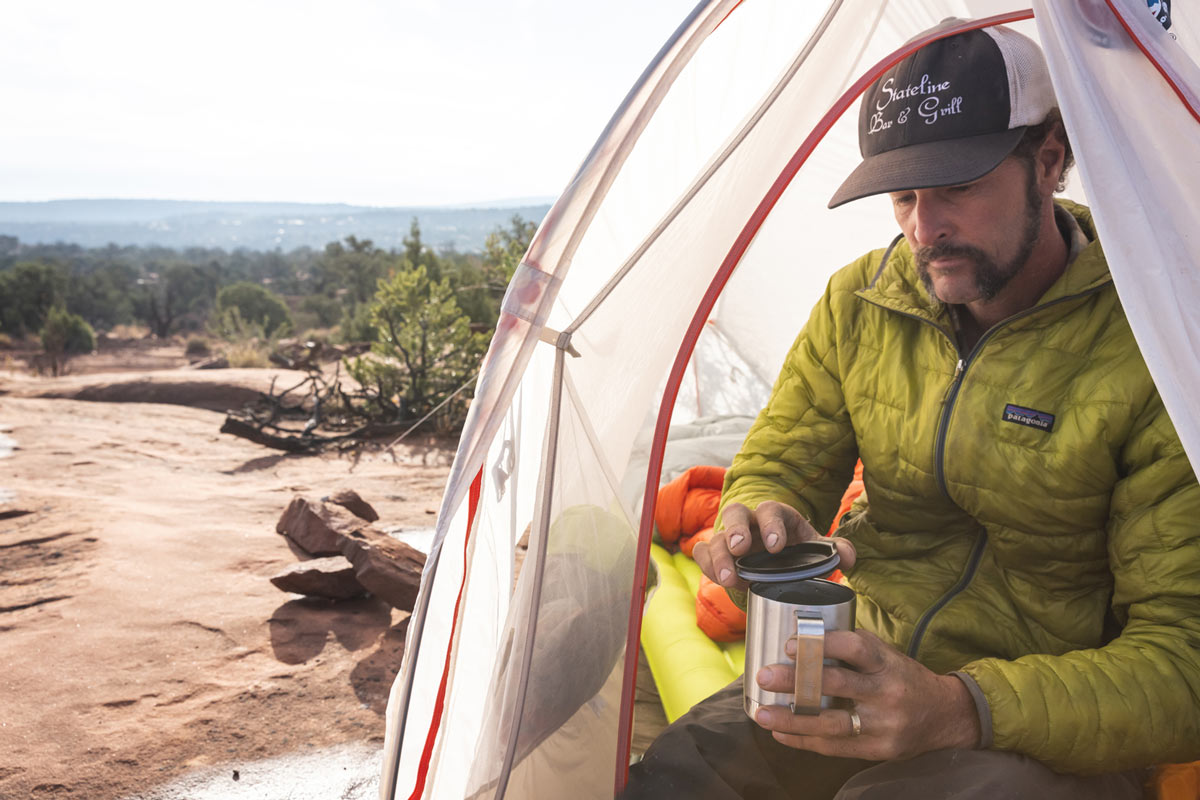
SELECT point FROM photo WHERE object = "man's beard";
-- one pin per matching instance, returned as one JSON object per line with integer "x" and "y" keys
{"x": 990, "y": 277}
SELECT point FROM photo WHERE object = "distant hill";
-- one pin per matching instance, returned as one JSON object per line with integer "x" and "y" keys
{"x": 255, "y": 226}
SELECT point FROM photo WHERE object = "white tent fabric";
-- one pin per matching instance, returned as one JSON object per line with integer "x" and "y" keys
{"x": 723, "y": 155}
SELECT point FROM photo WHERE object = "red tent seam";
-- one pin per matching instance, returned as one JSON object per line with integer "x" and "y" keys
{"x": 1162, "y": 70}
{"x": 439, "y": 704}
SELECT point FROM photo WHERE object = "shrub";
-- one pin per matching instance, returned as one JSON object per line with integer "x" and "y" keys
{"x": 357, "y": 325}
{"x": 129, "y": 332}
{"x": 232, "y": 327}
{"x": 68, "y": 333}
{"x": 248, "y": 344}
{"x": 197, "y": 347}
{"x": 318, "y": 335}
{"x": 254, "y": 305}
{"x": 65, "y": 334}
{"x": 247, "y": 354}
{"x": 425, "y": 350}
{"x": 325, "y": 310}
{"x": 27, "y": 293}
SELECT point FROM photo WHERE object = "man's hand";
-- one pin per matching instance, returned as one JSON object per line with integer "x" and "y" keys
{"x": 903, "y": 708}
{"x": 771, "y": 526}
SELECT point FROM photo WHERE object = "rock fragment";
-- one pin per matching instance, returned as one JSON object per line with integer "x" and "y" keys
{"x": 331, "y": 577}
{"x": 314, "y": 529}
{"x": 388, "y": 568}
{"x": 384, "y": 566}
{"x": 350, "y": 500}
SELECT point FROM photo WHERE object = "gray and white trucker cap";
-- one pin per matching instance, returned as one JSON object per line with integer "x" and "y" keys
{"x": 949, "y": 113}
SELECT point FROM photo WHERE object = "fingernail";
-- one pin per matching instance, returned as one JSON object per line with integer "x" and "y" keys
{"x": 763, "y": 717}
{"x": 736, "y": 540}
{"x": 724, "y": 576}
{"x": 763, "y": 676}
{"x": 789, "y": 647}
{"x": 772, "y": 538}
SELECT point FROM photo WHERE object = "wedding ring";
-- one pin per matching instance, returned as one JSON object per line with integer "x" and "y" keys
{"x": 855, "y": 723}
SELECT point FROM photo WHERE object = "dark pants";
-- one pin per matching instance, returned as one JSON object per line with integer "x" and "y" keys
{"x": 715, "y": 752}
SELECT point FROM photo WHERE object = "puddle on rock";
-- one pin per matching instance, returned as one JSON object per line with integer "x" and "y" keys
{"x": 346, "y": 772}
{"x": 416, "y": 538}
{"x": 7, "y": 446}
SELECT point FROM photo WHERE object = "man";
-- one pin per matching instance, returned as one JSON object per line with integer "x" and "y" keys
{"x": 1026, "y": 561}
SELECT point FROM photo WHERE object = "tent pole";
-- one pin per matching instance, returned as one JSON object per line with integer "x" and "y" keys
{"x": 539, "y": 536}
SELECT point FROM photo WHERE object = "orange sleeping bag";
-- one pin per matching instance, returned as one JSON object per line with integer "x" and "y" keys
{"x": 688, "y": 505}
{"x": 686, "y": 511}
{"x": 685, "y": 514}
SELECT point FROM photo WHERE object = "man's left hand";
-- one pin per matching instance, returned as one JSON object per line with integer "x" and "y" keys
{"x": 904, "y": 709}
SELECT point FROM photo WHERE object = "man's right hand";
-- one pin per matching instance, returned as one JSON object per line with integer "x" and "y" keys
{"x": 771, "y": 526}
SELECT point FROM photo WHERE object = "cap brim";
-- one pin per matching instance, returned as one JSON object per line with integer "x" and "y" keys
{"x": 926, "y": 165}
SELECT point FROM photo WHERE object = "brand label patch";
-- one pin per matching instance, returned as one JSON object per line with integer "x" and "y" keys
{"x": 1028, "y": 416}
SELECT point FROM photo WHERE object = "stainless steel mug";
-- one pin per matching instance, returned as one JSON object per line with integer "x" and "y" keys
{"x": 789, "y": 604}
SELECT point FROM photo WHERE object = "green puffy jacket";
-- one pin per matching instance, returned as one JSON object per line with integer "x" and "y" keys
{"x": 1032, "y": 519}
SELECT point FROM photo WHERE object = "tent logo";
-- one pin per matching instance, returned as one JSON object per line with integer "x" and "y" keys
{"x": 1028, "y": 416}
{"x": 1104, "y": 28}
{"x": 1161, "y": 9}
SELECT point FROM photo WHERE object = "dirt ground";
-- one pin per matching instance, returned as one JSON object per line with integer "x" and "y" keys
{"x": 140, "y": 638}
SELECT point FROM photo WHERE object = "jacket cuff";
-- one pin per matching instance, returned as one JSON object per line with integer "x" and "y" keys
{"x": 981, "y": 708}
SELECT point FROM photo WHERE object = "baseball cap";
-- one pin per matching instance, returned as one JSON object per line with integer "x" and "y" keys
{"x": 948, "y": 113}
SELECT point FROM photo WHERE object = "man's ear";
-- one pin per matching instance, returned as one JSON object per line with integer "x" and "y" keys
{"x": 1051, "y": 158}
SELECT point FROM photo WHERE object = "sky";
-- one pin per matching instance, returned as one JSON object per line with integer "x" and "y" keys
{"x": 374, "y": 102}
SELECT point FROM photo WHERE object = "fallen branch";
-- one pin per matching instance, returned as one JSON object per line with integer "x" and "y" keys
{"x": 329, "y": 415}
{"x": 292, "y": 444}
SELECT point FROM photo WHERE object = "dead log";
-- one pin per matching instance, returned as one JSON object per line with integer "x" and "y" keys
{"x": 292, "y": 444}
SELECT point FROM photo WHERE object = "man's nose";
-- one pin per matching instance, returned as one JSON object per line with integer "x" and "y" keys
{"x": 930, "y": 220}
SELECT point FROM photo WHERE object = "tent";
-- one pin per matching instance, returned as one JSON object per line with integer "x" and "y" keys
{"x": 665, "y": 285}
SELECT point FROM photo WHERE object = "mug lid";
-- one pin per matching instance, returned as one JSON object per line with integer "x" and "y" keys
{"x": 796, "y": 562}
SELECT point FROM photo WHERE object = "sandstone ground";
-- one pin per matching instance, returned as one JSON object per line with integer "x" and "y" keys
{"x": 140, "y": 639}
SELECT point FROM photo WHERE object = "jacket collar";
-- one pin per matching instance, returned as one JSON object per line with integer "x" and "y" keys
{"x": 896, "y": 286}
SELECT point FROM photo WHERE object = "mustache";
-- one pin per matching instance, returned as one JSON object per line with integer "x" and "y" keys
{"x": 932, "y": 252}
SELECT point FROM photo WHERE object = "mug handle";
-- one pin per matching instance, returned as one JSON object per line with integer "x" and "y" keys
{"x": 810, "y": 658}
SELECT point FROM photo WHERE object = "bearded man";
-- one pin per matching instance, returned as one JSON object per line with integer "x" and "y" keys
{"x": 1026, "y": 562}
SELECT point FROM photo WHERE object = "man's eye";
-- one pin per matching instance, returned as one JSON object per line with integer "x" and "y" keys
{"x": 902, "y": 199}
{"x": 962, "y": 188}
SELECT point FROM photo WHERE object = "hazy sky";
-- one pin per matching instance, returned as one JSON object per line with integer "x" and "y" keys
{"x": 383, "y": 102}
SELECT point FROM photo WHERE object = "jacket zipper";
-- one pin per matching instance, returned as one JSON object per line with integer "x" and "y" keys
{"x": 939, "y": 446}
{"x": 951, "y": 396}
{"x": 968, "y": 574}
{"x": 939, "y": 455}
{"x": 960, "y": 370}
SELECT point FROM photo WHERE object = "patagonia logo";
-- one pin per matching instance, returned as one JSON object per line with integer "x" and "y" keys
{"x": 1027, "y": 416}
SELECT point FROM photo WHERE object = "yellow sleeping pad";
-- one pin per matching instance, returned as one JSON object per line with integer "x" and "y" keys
{"x": 686, "y": 664}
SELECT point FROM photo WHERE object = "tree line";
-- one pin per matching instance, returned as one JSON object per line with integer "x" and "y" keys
{"x": 427, "y": 315}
